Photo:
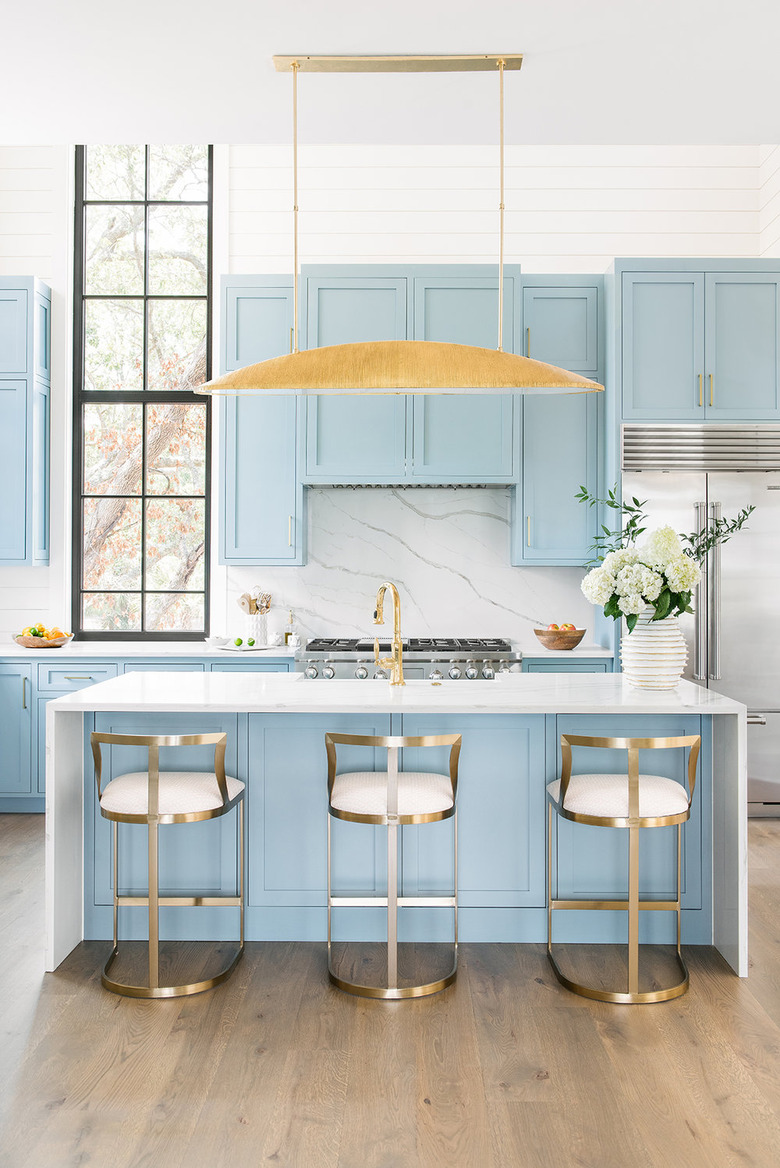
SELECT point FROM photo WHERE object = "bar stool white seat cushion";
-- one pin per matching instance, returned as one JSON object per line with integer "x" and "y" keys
{"x": 181, "y": 793}
{"x": 607, "y": 795}
{"x": 365, "y": 793}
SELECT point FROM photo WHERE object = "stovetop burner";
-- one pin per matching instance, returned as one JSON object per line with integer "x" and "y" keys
{"x": 411, "y": 645}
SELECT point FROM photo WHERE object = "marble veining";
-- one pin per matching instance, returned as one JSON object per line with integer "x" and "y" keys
{"x": 447, "y": 549}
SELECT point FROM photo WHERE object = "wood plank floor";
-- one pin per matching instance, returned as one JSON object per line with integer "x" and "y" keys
{"x": 505, "y": 1068}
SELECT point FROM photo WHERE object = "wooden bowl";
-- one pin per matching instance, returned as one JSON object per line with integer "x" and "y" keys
{"x": 41, "y": 642}
{"x": 560, "y": 638}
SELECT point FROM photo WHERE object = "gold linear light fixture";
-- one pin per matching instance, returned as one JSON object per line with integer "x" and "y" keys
{"x": 381, "y": 367}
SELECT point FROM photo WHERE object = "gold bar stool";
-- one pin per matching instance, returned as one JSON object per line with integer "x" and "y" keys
{"x": 631, "y": 801}
{"x": 393, "y": 798}
{"x": 154, "y": 797}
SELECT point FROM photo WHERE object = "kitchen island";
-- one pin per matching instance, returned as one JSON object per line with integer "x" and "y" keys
{"x": 511, "y": 730}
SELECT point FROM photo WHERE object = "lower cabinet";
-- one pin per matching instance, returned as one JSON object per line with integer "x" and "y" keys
{"x": 584, "y": 665}
{"x": 16, "y": 720}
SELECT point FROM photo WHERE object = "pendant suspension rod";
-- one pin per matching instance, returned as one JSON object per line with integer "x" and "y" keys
{"x": 294, "y": 67}
{"x": 501, "y": 64}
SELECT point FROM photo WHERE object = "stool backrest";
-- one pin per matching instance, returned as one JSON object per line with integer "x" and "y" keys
{"x": 153, "y": 742}
{"x": 394, "y": 743}
{"x": 632, "y": 746}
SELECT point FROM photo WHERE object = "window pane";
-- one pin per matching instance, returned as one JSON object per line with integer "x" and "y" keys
{"x": 115, "y": 172}
{"x": 176, "y": 449}
{"x": 114, "y": 345}
{"x": 111, "y": 612}
{"x": 114, "y": 251}
{"x": 112, "y": 448}
{"x": 112, "y": 543}
{"x": 177, "y": 250}
{"x": 178, "y": 172}
{"x": 175, "y": 544}
{"x": 177, "y": 344}
{"x": 175, "y": 612}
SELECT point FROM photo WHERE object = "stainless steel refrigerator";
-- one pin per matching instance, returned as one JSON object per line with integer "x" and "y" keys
{"x": 691, "y": 475}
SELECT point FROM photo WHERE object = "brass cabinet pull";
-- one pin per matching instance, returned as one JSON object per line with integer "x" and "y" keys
{"x": 712, "y": 392}
{"x": 701, "y": 392}
{"x": 528, "y": 342}
{"x": 292, "y": 340}
{"x": 528, "y": 529}
{"x": 289, "y": 530}
{"x": 24, "y": 693}
{"x": 78, "y": 677}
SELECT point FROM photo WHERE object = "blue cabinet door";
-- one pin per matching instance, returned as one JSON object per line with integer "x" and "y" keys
{"x": 13, "y": 471}
{"x": 16, "y": 705}
{"x": 14, "y": 306}
{"x": 560, "y": 442}
{"x": 355, "y": 439}
{"x": 559, "y": 666}
{"x": 663, "y": 346}
{"x": 561, "y": 434}
{"x": 742, "y": 353}
{"x": 462, "y": 439}
{"x": 500, "y": 811}
{"x": 39, "y": 473}
{"x": 261, "y": 504}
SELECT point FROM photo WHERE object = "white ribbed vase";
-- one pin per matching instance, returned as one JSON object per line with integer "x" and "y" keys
{"x": 654, "y": 655}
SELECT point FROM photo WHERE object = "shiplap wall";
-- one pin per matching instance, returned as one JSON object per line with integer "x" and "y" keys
{"x": 769, "y": 201}
{"x": 568, "y": 208}
{"x": 36, "y": 233}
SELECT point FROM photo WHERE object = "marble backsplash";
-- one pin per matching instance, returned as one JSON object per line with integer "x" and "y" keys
{"x": 446, "y": 549}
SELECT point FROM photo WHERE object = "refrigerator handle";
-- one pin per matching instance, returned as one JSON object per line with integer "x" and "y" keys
{"x": 716, "y": 512}
{"x": 699, "y": 624}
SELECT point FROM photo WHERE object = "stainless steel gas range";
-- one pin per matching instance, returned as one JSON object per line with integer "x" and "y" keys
{"x": 434, "y": 658}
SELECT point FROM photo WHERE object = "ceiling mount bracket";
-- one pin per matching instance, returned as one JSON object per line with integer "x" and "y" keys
{"x": 449, "y": 63}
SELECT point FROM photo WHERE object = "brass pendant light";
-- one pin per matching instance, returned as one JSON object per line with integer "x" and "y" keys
{"x": 381, "y": 367}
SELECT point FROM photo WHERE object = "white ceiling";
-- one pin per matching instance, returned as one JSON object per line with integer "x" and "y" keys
{"x": 595, "y": 71}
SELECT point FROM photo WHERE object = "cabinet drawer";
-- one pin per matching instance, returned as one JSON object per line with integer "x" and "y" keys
{"x": 278, "y": 666}
{"x": 78, "y": 675}
{"x": 566, "y": 667}
{"x": 164, "y": 666}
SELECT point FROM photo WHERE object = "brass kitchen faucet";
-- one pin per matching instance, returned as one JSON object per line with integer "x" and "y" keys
{"x": 394, "y": 663}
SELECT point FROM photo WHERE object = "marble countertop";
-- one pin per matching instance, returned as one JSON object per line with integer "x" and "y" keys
{"x": 247, "y": 692}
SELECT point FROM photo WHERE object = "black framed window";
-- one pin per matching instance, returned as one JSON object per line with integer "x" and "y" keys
{"x": 142, "y": 342}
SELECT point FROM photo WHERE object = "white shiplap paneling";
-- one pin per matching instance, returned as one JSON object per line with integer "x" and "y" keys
{"x": 769, "y": 202}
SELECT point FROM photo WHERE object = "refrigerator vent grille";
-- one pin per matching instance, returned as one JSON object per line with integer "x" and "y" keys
{"x": 742, "y": 447}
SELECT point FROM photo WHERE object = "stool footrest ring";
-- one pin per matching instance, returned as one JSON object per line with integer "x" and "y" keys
{"x": 174, "y": 991}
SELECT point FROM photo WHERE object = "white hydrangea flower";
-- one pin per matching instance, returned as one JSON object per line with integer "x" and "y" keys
{"x": 682, "y": 573}
{"x": 614, "y": 561}
{"x": 598, "y": 585}
{"x": 632, "y": 604}
{"x": 661, "y": 547}
{"x": 638, "y": 579}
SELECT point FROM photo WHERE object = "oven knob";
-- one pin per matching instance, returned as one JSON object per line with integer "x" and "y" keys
{"x": 361, "y": 673}
{"x": 436, "y": 674}
{"x": 328, "y": 670}
{"x": 380, "y": 675}
{"x": 311, "y": 670}
{"x": 454, "y": 671}
{"x": 504, "y": 667}
{"x": 471, "y": 670}
{"x": 488, "y": 672}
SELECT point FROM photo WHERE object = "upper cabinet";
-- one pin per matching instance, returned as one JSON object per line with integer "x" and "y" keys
{"x": 700, "y": 345}
{"x": 351, "y": 439}
{"x": 25, "y": 374}
{"x": 398, "y": 438}
{"x": 560, "y": 441}
{"x": 261, "y": 498}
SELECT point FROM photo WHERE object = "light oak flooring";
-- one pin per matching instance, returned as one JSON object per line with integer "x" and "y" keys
{"x": 276, "y": 1066}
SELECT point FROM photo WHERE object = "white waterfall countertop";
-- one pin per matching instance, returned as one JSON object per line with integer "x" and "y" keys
{"x": 528, "y": 693}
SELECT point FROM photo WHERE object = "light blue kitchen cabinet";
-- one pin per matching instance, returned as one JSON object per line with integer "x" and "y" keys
{"x": 581, "y": 665}
{"x": 463, "y": 438}
{"x": 700, "y": 345}
{"x": 742, "y": 346}
{"x": 560, "y": 434}
{"x": 262, "y": 515}
{"x": 245, "y": 664}
{"x": 16, "y": 714}
{"x": 25, "y": 371}
{"x": 351, "y": 439}
{"x": 500, "y": 807}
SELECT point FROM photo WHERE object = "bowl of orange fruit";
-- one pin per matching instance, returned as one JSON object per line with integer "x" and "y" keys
{"x": 39, "y": 637}
{"x": 564, "y": 636}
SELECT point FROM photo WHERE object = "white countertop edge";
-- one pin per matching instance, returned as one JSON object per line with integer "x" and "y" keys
{"x": 246, "y": 692}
